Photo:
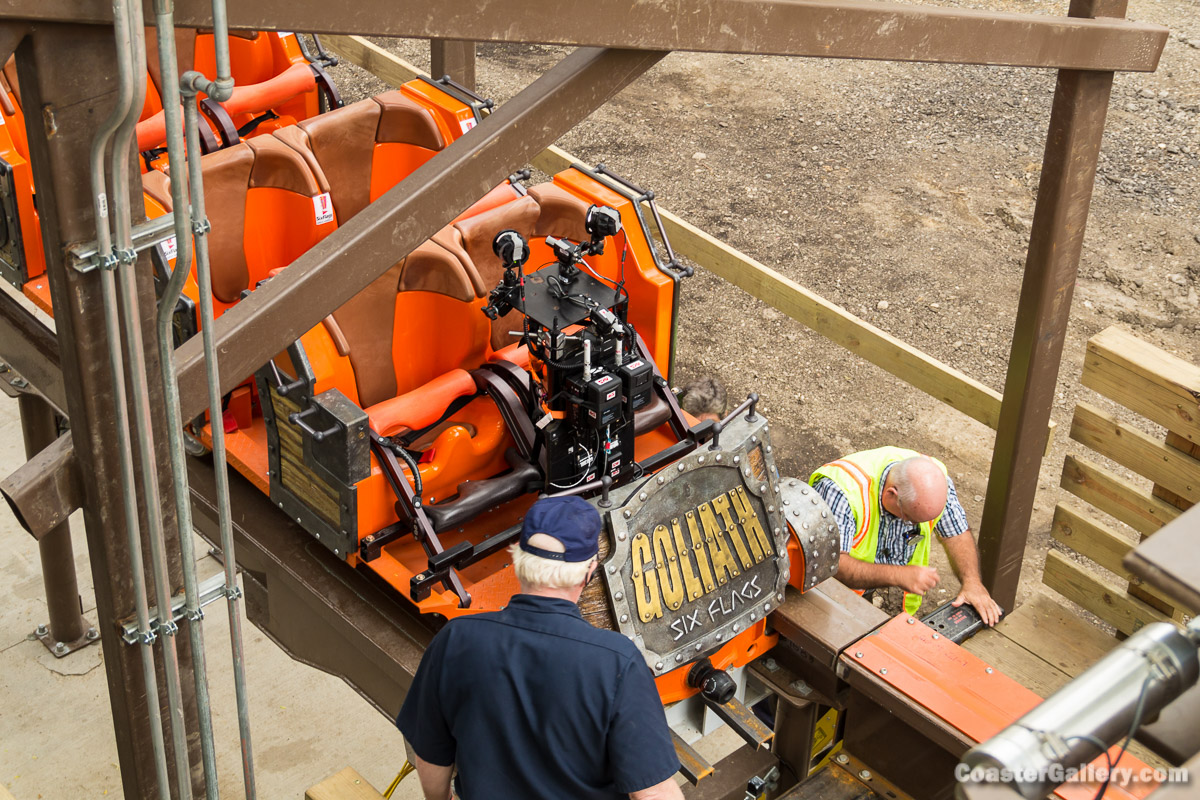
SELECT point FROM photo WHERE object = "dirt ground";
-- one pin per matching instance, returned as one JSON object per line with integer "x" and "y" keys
{"x": 902, "y": 192}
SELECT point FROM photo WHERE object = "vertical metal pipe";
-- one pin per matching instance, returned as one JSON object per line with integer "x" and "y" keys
{"x": 40, "y": 427}
{"x": 220, "y": 468}
{"x": 131, "y": 319}
{"x": 169, "y": 70}
{"x": 1055, "y": 242}
{"x": 122, "y": 110}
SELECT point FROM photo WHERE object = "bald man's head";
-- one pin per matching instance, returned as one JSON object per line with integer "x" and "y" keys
{"x": 921, "y": 488}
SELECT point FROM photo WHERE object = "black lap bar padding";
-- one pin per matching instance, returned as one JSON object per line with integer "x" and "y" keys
{"x": 475, "y": 497}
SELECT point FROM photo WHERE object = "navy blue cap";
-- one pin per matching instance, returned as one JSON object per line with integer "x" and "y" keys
{"x": 571, "y": 520}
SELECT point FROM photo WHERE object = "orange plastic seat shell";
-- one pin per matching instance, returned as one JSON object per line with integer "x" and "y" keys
{"x": 420, "y": 407}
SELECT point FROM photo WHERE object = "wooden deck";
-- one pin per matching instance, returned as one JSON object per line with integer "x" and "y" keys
{"x": 1043, "y": 645}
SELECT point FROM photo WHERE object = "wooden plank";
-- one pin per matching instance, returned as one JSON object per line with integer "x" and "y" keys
{"x": 1017, "y": 662}
{"x": 374, "y": 59}
{"x": 1107, "y": 548}
{"x": 926, "y": 373}
{"x": 345, "y": 785}
{"x": 1116, "y": 496}
{"x": 943, "y": 382}
{"x": 1163, "y": 493}
{"x": 1107, "y": 601}
{"x": 1090, "y": 539}
{"x": 1138, "y": 451}
{"x": 1053, "y": 631}
{"x": 1156, "y": 384}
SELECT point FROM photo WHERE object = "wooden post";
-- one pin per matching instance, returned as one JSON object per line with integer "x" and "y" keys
{"x": 1056, "y": 240}
{"x": 454, "y": 58}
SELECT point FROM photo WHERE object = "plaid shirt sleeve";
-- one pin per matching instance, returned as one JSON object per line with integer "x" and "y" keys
{"x": 954, "y": 518}
{"x": 835, "y": 498}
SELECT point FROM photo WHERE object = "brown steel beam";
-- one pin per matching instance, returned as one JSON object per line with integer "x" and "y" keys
{"x": 311, "y": 603}
{"x": 455, "y": 58}
{"x": 1055, "y": 242}
{"x": 820, "y": 28}
{"x": 46, "y": 489}
{"x": 66, "y": 72}
{"x": 338, "y": 267}
{"x": 67, "y": 629}
{"x": 11, "y": 34}
{"x": 29, "y": 347}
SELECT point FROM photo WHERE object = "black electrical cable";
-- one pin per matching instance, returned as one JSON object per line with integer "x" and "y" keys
{"x": 1112, "y": 763}
{"x": 401, "y": 451}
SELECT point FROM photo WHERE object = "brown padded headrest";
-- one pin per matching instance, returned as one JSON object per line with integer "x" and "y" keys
{"x": 478, "y": 231}
{"x": 227, "y": 176}
{"x": 342, "y": 141}
{"x": 432, "y": 268}
{"x": 562, "y": 213}
{"x": 185, "y": 53}
{"x": 296, "y": 138}
{"x": 10, "y": 75}
{"x": 277, "y": 166}
{"x": 405, "y": 121}
{"x": 158, "y": 186}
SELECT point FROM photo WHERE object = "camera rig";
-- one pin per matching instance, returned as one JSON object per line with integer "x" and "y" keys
{"x": 592, "y": 376}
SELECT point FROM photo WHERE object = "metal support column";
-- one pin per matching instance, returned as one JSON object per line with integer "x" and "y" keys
{"x": 455, "y": 58}
{"x": 67, "y": 629}
{"x": 1056, "y": 239}
{"x": 73, "y": 96}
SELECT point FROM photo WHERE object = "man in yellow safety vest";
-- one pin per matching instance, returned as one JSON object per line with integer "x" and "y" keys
{"x": 888, "y": 502}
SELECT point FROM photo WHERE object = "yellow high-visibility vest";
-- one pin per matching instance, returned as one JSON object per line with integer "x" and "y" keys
{"x": 860, "y": 477}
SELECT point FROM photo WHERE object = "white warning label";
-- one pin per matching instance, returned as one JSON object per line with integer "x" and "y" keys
{"x": 323, "y": 208}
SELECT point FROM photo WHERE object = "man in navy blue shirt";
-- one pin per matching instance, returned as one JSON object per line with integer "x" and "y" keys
{"x": 532, "y": 702}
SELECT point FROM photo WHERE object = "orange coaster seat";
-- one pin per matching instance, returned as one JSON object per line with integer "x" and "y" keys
{"x": 265, "y": 207}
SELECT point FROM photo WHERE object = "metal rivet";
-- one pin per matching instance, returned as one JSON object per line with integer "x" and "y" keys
{"x": 679, "y": 658}
{"x": 762, "y": 489}
{"x": 661, "y": 480}
{"x": 754, "y": 440}
{"x": 766, "y": 607}
{"x": 842, "y": 758}
{"x": 912, "y": 621}
{"x": 737, "y": 459}
{"x": 658, "y": 665}
{"x": 864, "y": 774}
{"x": 643, "y": 496}
{"x": 619, "y": 596}
{"x": 768, "y": 448}
{"x": 717, "y": 458}
{"x": 883, "y": 670}
{"x": 698, "y": 646}
{"x": 681, "y": 467}
{"x": 989, "y": 670}
{"x": 628, "y": 513}
{"x": 936, "y": 636}
{"x": 611, "y": 569}
{"x": 624, "y": 618}
{"x": 700, "y": 460}
{"x": 858, "y": 654}
{"x": 621, "y": 536}
{"x": 770, "y": 509}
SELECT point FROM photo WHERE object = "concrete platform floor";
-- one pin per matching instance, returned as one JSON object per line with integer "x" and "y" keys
{"x": 56, "y": 737}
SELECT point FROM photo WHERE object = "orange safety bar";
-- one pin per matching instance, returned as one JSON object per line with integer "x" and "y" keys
{"x": 253, "y": 99}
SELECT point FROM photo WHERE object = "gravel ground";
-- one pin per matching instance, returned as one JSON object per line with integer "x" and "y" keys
{"x": 904, "y": 193}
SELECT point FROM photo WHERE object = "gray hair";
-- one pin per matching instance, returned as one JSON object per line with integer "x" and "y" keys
{"x": 535, "y": 572}
{"x": 703, "y": 396}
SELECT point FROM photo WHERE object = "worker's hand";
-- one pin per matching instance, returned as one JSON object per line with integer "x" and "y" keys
{"x": 975, "y": 594}
{"x": 918, "y": 580}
